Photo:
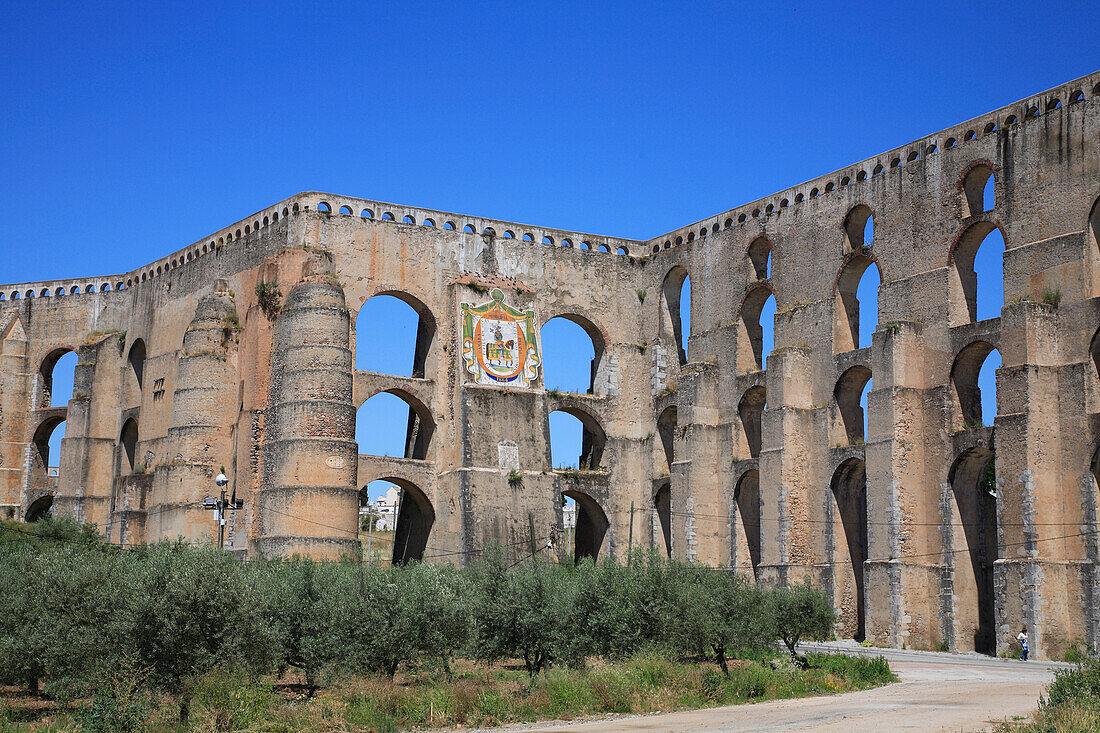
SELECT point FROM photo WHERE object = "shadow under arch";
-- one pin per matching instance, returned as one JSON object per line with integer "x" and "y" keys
{"x": 746, "y": 504}
{"x": 848, "y": 488}
{"x": 974, "y": 488}
{"x": 591, "y": 526}
{"x": 752, "y": 331}
{"x": 127, "y": 440}
{"x": 848, "y": 394}
{"x": 750, "y": 409}
{"x": 662, "y": 503}
{"x": 136, "y": 359}
{"x": 39, "y": 508}
{"x": 964, "y": 377}
{"x": 415, "y": 517}
{"x": 846, "y": 321}
{"x": 41, "y": 462}
{"x": 666, "y": 428}
{"x": 425, "y": 329}
{"x": 964, "y": 278}
{"x": 593, "y": 438}
{"x": 760, "y": 256}
{"x": 421, "y": 423}
{"x": 671, "y": 325}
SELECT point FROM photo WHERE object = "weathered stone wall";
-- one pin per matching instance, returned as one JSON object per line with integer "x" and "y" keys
{"x": 183, "y": 369}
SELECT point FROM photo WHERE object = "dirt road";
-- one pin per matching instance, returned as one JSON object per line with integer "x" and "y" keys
{"x": 937, "y": 692}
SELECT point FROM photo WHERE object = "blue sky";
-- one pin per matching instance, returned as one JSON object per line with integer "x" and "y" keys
{"x": 131, "y": 130}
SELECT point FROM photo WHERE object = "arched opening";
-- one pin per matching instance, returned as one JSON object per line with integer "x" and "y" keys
{"x": 974, "y": 487}
{"x": 45, "y": 469}
{"x": 58, "y": 371}
{"x": 393, "y": 335}
{"x": 415, "y": 517}
{"x": 40, "y": 508}
{"x": 127, "y": 440}
{"x": 572, "y": 352}
{"x": 394, "y": 424}
{"x": 859, "y": 228}
{"x": 666, "y": 428}
{"x": 136, "y": 358}
{"x": 750, "y": 409}
{"x": 345, "y": 210}
{"x": 746, "y": 507}
{"x": 675, "y": 312}
{"x": 974, "y": 375}
{"x": 849, "y": 492}
{"x": 662, "y": 505}
{"x": 757, "y": 329}
{"x": 577, "y": 439}
{"x": 1094, "y": 226}
{"x": 760, "y": 255}
{"x": 978, "y": 193}
{"x": 850, "y": 395}
{"x": 379, "y": 502}
{"x": 978, "y": 257}
{"x": 856, "y": 302}
{"x": 591, "y": 526}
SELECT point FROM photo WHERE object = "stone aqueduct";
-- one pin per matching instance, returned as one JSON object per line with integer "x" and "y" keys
{"x": 183, "y": 367}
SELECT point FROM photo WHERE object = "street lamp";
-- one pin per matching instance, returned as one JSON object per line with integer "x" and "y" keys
{"x": 220, "y": 506}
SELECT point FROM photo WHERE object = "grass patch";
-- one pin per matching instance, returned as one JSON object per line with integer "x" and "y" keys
{"x": 477, "y": 695}
{"x": 1071, "y": 703}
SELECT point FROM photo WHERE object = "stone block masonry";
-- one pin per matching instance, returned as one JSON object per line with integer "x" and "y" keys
{"x": 926, "y": 528}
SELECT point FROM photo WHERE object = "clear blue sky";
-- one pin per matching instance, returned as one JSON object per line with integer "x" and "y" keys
{"x": 130, "y": 130}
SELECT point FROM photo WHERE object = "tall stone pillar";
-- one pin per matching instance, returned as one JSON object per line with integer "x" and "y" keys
{"x": 308, "y": 502}
{"x": 14, "y": 407}
{"x": 1038, "y": 508}
{"x": 789, "y": 545}
{"x": 200, "y": 441}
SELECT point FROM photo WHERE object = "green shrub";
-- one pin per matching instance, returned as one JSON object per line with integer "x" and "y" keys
{"x": 801, "y": 612}
{"x": 1079, "y": 685}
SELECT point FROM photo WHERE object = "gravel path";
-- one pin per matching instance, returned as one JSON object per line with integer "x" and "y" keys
{"x": 937, "y": 692}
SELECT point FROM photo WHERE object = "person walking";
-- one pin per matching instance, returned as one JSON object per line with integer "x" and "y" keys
{"x": 1022, "y": 639}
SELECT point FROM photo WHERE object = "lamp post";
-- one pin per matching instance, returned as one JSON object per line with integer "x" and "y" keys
{"x": 220, "y": 506}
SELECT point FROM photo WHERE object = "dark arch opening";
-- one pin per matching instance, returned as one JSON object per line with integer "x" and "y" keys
{"x": 415, "y": 517}
{"x": 666, "y": 428}
{"x": 40, "y": 508}
{"x": 859, "y": 228}
{"x": 750, "y": 409}
{"x": 1094, "y": 227}
{"x": 757, "y": 327}
{"x": 390, "y": 328}
{"x": 1094, "y": 353}
{"x": 591, "y": 527}
{"x": 978, "y": 190}
{"x": 47, "y": 455}
{"x": 565, "y": 443}
{"x": 974, "y": 487}
{"x": 978, "y": 256}
{"x": 760, "y": 254}
{"x": 976, "y": 367}
{"x": 137, "y": 360}
{"x": 127, "y": 440}
{"x": 572, "y": 353}
{"x": 662, "y": 504}
{"x": 856, "y": 303}
{"x": 378, "y": 423}
{"x": 746, "y": 503}
{"x": 849, "y": 490}
{"x": 850, "y": 395}
{"x": 673, "y": 321}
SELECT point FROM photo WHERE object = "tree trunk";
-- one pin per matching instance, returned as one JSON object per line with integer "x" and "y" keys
{"x": 720, "y": 659}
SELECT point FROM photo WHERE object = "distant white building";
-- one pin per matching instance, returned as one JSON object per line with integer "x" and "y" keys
{"x": 385, "y": 508}
{"x": 569, "y": 514}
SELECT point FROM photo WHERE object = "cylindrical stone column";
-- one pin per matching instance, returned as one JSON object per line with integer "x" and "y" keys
{"x": 204, "y": 410}
{"x": 308, "y": 503}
